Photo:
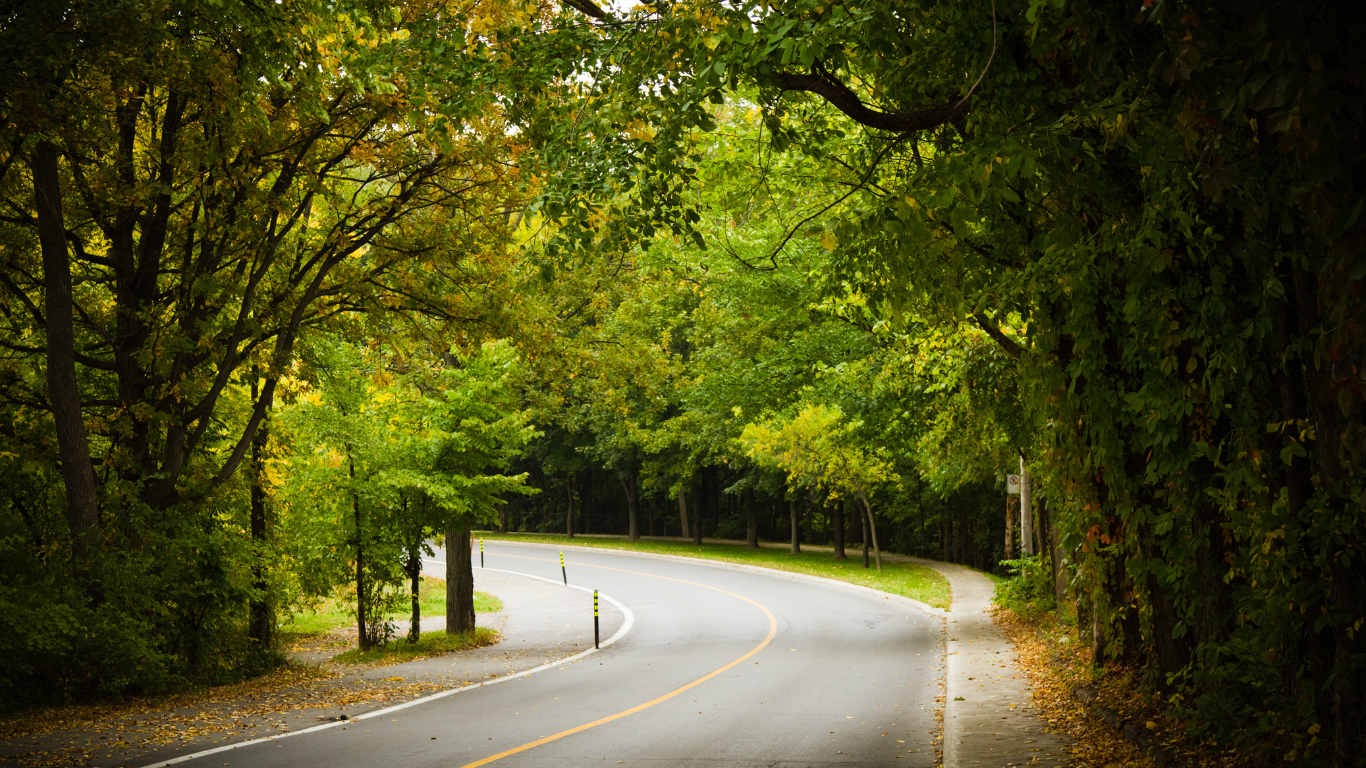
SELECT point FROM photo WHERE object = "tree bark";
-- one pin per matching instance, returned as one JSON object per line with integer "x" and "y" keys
{"x": 751, "y": 522}
{"x": 569, "y": 515}
{"x": 628, "y": 484}
{"x": 863, "y": 529}
{"x": 73, "y": 446}
{"x": 696, "y": 515}
{"x": 261, "y": 623}
{"x": 1026, "y": 513}
{"x": 586, "y": 502}
{"x": 1059, "y": 567}
{"x": 872, "y": 529}
{"x": 682, "y": 512}
{"x": 840, "y": 96}
{"x": 839, "y": 531}
{"x": 362, "y": 637}
{"x": 1010, "y": 531}
{"x": 414, "y": 569}
{"x": 459, "y": 582}
{"x": 796, "y": 528}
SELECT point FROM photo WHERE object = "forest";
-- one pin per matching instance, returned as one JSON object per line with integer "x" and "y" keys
{"x": 290, "y": 289}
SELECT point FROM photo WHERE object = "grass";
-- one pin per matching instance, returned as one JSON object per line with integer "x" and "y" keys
{"x": 430, "y": 644}
{"x": 339, "y": 611}
{"x": 911, "y": 580}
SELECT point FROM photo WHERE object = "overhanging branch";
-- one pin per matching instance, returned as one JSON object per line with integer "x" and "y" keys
{"x": 1008, "y": 344}
{"x": 845, "y": 100}
{"x": 587, "y": 8}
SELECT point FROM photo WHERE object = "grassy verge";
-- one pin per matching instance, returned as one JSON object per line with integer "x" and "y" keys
{"x": 430, "y": 644}
{"x": 911, "y": 580}
{"x": 333, "y": 612}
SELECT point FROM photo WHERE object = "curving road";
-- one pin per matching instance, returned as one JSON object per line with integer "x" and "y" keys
{"x": 722, "y": 667}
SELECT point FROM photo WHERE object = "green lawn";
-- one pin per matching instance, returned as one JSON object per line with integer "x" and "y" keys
{"x": 917, "y": 582}
{"x": 430, "y": 644}
{"x": 339, "y": 611}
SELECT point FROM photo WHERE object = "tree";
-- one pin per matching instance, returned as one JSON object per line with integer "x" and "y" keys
{"x": 816, "y": 447}
{"x": 413, "y": 455}
{"x": 1158, "y": 198}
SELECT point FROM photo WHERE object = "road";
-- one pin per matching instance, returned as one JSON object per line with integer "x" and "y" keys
{"x": 721, "y": 667}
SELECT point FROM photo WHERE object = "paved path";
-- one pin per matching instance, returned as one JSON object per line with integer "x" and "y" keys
{"x": 990, "y": 720}
{"x": 725, "y": 666}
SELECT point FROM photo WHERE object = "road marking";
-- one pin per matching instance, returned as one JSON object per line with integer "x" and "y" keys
{"x": 628, "y": 621}
{"x": 772, "y": 632}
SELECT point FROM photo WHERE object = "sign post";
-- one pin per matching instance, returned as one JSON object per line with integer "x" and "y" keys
{"x": 1026, "y": 514}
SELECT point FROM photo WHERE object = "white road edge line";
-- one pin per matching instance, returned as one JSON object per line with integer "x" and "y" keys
{"x": 629, "y": 620}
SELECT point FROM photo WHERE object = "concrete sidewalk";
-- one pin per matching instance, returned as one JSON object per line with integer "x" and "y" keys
{"x": 990, "y": 720}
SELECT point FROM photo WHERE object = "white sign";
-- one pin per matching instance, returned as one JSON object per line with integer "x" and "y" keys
{"x": 1012, "y": 484}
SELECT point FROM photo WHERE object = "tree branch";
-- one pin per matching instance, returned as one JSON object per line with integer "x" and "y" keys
{"x": 1008, "y": 344}
{"x": 588, "y": 8}
{"x": 839, "y": 95}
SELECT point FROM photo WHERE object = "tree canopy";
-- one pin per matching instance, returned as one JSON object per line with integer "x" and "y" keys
{"x": 891, "y": 249}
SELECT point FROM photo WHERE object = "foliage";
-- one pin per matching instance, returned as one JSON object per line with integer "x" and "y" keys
{"x": 1155, "y": 214}
{"x": 382, "y": 461}
{"x": 816, "y": 447}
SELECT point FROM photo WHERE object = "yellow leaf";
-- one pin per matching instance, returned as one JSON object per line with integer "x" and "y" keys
{"x": 828, "y": 241}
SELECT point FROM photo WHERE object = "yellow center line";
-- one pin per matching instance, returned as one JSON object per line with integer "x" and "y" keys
{"x": 772, "y": 631}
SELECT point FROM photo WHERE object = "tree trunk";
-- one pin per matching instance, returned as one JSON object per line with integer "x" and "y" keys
{"x": 586, "y": 502}
{"x": 1026, "y": 513}
{"x": 863, "y": 530}
{"x": 1059, "y": 566}
{"x": 1097, "y": 632}
{"x": 1010, "y": 531}
{"x": 682, "y": 512}
{"x": 628, "y": 484}
{"x": 839, "y": 530}
{"x": 714, "y": 497}
{"x": 751, "y": 522}
{"x": 796, "y": 528}
{"x": 414, "y": 569}
{"x": 362, "y": 637}
{"x": 569, "y": 515}
{"x": 502, "y": 515}
{"x": 459, "y": 582}
{"x": 872, "y": 530}
{"x": 696, "y": 515}
{"x": 261, "y": 623}
{"x": 73, "y": 446}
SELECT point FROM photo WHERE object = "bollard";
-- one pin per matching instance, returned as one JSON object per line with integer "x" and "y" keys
{"x": 481, "y": 553}
{"x": 595, "y": 618}
{"x": 563, "y": 572}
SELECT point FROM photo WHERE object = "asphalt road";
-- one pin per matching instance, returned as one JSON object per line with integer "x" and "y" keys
{"x": 722, "y": 667}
